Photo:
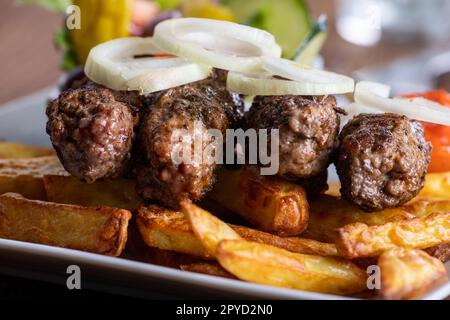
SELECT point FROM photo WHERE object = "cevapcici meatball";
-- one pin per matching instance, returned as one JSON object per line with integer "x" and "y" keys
{"x": 308, "y": 129}
{"x": 194, "y": 108}
{"x": 92, "y": 131}
{"x": 382, "y": 160}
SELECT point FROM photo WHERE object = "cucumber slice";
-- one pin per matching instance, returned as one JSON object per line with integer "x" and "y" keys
{"x": 313, "y": 42}
{"x": 287, "y": 20}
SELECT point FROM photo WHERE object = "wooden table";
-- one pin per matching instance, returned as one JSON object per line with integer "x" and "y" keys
{"x": 29, "y": 62}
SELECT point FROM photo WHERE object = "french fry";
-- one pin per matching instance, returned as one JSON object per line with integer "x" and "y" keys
{"x": 293, "y": 244}
{"x": 328, "y": 214}
{"x": 118, "y": 193}
{"x": 437, "y": 185}
{"x": 360, "y": 240}
{"x": 265, "y": 264}
{"x": 209, "y": 268}
{"x": 409, "y": 273}
{"x": 273, "y": 205}
{"x": 10, "y": 150}
{"x": 100, "y": 230}
{"x": 421, "y": 207}
{"x": 207, "y": 228}
{"x": 334, "y": 189}
{"x": 25, "y": 176}
{"x": 170, "y": 230}
{"x": 139, "y": 250}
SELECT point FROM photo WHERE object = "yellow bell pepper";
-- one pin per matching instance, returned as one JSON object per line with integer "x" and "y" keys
{"x": 101, "y": 20}
{"x": 207, "y": 9}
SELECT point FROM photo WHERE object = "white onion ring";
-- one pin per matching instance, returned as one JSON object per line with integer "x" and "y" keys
{"x": 266, "y": 85}
{"x": 305, "y": 74}
{"x": 221, "y": 44}
{"x": 113, "y": 64}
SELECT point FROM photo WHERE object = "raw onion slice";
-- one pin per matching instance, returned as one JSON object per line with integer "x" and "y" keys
{"x": 220, "y": 44}
{"x": 123, "y": 64}
{"x": 303, "y": 73}
{"x": 267, "y": 85}
{"x": 415, "y": 108}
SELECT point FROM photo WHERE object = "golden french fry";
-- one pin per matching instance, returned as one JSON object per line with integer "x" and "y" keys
{"x": 360, "y": 240}
{"x": 139, "y": 250}
{"x": 209, "y": 229}
{"x": 421, "y": 207}
{"x": 25, "y": 176}
{"x": 100, "y": 230}
{"x": 409, "y": 273}
{"x": 118, "y": 193}
{"x": 293, "y": 244}
{"x": 170, "y": 230}
{"x": 334, "y": 190}
{"x": 265, "y": 264}
{"x": 272, "y": 204}
{"x": 437, "y": 185}
{"x": 328, "y": 214}
{"x": 10, "y": 150}
{"x": 209, "y": 268}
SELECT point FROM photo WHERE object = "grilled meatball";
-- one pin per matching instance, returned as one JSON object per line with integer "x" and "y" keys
{"x": 92, "y": 131}
{"x": 382, "y": 160}
{"x": 308, "y": 130}
{"x": 194, "y": 107}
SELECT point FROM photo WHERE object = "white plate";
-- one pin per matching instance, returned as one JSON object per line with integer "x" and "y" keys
{"x": 23, "y": 120}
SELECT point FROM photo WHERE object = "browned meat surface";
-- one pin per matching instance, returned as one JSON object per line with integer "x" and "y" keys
{"x": 308, "y": 130}
{"x": 92, "y": 132}
{"x": 382, "y": 160}
{"x": 206, "y": 103}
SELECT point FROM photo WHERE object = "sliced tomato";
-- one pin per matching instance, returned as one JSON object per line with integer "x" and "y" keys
{"x": 438, "y": 135}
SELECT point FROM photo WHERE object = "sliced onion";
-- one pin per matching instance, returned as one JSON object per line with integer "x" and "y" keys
{"x": 303, "y": 73}
{"x": 353, "y": 109}
{"x": 114, "y": 65}
{"x": 266, "y": 85}
{"x": 419, "y": 109}
{"x": 220, "y": 44}
{"x": 379, "y": 89}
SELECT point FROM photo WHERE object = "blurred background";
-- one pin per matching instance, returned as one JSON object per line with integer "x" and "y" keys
{"x": 405, "y": 43}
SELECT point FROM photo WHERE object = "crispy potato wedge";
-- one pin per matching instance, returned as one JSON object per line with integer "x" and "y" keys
{"x": 360, "y": 240}
{"x": 25, "y": 176}
{"x": 328, "y": 214}
{"x": 10, "y": 150}
{"x": 437, "y": 185}
{"x": 265, "y": 264}
{"x": 100, "y": 230}
{"x": 170, "y": 230}
{"x": 409, "y": 273}
{"x": 118, "y": 193}
{"x": 209, "y": 268}
{"x": 273, "y": 205}
{"x": 209, "y": 229}
{"x": 334, "y": 189}
{"x": 137, "y": 249}
{"x": 293, "y": 244}
{"x": 421, "y": 207}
